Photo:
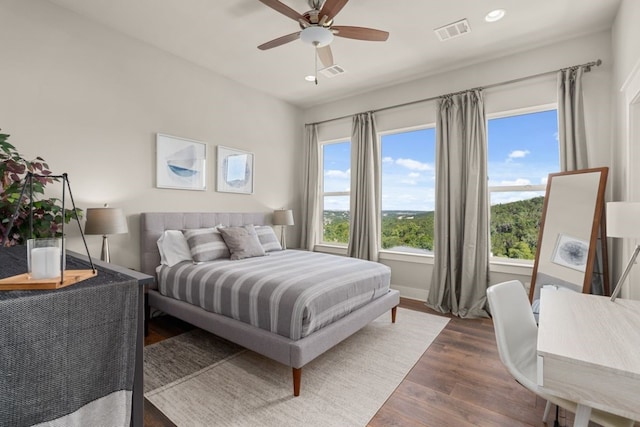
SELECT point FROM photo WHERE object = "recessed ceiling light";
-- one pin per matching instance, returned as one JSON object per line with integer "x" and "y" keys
{"x": 310, "y": 78}
{"x": 495, "y": 15}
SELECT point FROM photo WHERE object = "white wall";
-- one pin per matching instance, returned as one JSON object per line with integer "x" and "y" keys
{"x": 90, "y": 101}
{"x": 412, "y": 275}
{"x": 626, "y": 122}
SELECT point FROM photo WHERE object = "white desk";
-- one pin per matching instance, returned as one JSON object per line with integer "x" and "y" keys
{"x": 589, "y": 352}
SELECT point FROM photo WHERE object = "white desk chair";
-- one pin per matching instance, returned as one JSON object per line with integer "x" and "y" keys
{"x": 517, "y": 335}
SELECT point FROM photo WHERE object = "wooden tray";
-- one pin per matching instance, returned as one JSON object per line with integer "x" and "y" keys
{"x": 25, "y": 283}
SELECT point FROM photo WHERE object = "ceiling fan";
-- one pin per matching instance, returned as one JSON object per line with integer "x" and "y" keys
{"x": 317, "y": 29}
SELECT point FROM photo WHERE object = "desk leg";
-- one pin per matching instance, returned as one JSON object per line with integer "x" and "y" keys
{"x": 583, "y": 413}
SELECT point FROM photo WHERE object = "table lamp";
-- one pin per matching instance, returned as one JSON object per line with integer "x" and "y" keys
{"x": 283, "y": 217}
{"x": 105, "y": 221}
{"x": 623, "y": 220}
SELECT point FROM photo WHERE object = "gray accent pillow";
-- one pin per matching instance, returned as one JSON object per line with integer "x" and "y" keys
{"x": 268, "y": 238}
{"x": 206, "y": 244}
{"x": 242, "y": 241}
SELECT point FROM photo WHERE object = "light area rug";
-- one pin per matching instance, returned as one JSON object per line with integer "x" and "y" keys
{"x": 343, "y": 387}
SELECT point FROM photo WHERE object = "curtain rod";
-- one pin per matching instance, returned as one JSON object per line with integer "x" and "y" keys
{"x": 587, "y": 66}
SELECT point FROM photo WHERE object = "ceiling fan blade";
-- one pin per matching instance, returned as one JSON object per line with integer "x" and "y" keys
{"x": 325, "y": 55}
{"x": 331, "y": 8}
{"x": 361, "y": 33}
{"x": 280, "y": 41}
{"x": 283, "y": 9}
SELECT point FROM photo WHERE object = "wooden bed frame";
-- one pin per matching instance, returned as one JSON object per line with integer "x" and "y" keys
{"x": 277, "y": 347}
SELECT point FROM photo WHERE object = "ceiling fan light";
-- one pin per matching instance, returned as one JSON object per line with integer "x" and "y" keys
{"x": 317, "y": 36}
{"x": 310, "y": 78}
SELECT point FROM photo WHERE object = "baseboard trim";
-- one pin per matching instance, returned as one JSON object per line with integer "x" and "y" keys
{"x": 411, "y": 293}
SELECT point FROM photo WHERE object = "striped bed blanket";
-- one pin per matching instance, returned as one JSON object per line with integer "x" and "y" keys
{"x": 292, "y": 293}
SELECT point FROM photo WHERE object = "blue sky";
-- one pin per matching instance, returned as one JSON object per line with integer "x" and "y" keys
{"x": 522, "y": 150}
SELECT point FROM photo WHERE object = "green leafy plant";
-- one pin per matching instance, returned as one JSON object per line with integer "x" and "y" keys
{"x": 47, "y": 214}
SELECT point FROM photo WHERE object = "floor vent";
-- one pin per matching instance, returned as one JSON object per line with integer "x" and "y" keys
{"x": 332, "y": 71}
{"x": 455, "y": 29}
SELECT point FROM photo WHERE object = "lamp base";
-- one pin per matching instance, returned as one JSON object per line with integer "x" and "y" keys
{"x": 283, "y": 237}
{"x": 104, "y": 255}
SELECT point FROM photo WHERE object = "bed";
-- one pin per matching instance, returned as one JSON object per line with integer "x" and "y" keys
{"x": 280, "y": 337}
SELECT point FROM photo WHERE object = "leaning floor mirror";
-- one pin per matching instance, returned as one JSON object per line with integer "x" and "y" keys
{"x": 572, "y": 245}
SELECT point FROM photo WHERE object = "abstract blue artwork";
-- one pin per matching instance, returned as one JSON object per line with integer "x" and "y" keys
{"x": 235, "y": 171}
{"x": 181, "y": 163}
{"x": 571, "y": 252}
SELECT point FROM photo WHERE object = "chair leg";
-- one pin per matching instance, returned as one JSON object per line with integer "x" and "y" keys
{"x": 547, "y": 408}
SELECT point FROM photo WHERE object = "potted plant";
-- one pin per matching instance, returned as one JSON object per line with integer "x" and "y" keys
{"x": 47, "y": 212}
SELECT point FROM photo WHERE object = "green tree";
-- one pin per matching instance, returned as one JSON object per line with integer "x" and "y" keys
{"x": 521, "y": 250}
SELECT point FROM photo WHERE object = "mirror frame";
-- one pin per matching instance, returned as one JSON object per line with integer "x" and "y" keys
{"x": 598, "y": 227}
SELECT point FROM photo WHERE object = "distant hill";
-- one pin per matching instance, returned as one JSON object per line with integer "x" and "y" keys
{"x": 514, "y": 228}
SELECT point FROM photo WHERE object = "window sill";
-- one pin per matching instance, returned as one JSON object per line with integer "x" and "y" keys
{"x": 384, "y": 255}
{"x": 331, "y": 249}
{"x": 496, "y": 265}
{"x": 504, "y": 265}
{"x": 406, "y": 257}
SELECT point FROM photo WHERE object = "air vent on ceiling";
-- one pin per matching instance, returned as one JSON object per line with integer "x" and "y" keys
{"x": 332, "y": 71}
{"x": 455, "y": 29}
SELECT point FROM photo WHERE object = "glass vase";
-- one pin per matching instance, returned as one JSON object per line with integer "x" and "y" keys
{"x": 45, "y": 259}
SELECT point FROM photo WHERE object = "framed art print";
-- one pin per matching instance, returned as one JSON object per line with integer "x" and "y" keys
{"x": 180, "y": 163}
{"x": 571, "y": 252}
{"x": 235, "y": 171}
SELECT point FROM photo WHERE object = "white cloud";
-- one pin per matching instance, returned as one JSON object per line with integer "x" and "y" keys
{"x": 413, "y": 164}
{"x": 387, "y": 160}
{"x": 519, "y": 154}
{"x": 409, "y": 181}
{"x": 414, "y": 175}
{"x": 334, "y": 173}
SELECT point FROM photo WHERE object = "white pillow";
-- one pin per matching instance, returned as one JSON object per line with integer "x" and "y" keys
{"x": 173, "y": 248}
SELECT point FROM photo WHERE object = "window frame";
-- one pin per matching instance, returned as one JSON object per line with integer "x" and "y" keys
{"x": 515, "y": 188}
{"x": 380, "y": 134}
{"x": 323, "y": 194}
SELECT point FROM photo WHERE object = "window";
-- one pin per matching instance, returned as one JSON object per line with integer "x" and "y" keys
{"x": 522, "y": 151}
{"x": 336, "y": 185}
{"x": 408, "y": 190}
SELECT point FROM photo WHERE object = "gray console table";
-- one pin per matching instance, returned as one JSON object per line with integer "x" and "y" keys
{"x": 63, "y": 349}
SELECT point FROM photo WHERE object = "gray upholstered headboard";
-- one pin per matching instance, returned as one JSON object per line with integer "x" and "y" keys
{"x": 153, "y": 224}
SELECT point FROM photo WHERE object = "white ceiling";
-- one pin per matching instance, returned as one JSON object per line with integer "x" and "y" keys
{"x": 223, "y": 35}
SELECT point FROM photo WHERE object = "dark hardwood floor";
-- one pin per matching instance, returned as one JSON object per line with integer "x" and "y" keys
{"x": 459, "y": 381}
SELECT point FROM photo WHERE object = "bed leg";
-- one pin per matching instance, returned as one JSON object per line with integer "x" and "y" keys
{"x": 393, "y": 314}
{"x": 297, "y": 375}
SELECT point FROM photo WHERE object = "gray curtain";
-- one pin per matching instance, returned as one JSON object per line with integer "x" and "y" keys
{"x": 311, "y": 188}
{"x": 365, "y": 189}
{"x": 572, "y": 137}
{"x": 571, "y": 129}
{"x": 461, "y": 259}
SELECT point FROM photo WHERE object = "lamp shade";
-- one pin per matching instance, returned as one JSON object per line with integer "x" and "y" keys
{"x": 105, "y": 221}
{"x": 283, "y": 217}
{"x": 623, "y": 219}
